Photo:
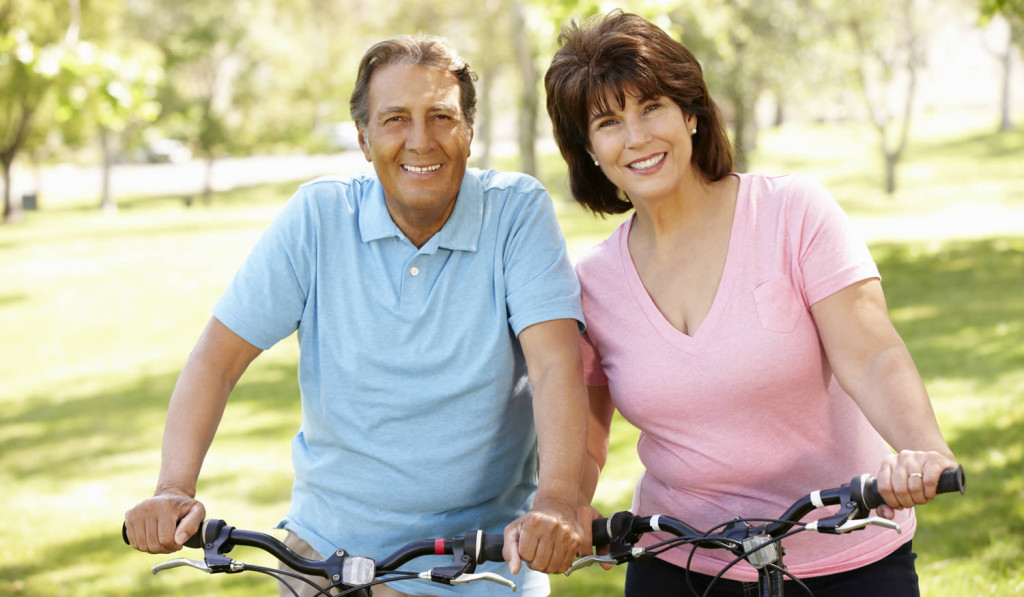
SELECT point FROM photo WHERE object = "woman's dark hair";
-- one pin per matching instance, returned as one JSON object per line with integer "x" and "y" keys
{"x": 624, "y": 53}
{"x": 418, "y": 50}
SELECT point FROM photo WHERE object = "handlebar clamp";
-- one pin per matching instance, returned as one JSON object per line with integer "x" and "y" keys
{"x": 216, "y": 535}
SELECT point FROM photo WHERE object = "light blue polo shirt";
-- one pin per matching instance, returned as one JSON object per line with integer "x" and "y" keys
{"x": 417, "y": 414}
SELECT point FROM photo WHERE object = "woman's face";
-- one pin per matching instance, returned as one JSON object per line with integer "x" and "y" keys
{"x": 644, "y": 148}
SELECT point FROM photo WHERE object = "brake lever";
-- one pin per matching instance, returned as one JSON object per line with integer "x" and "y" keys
{"x": 230, "y": 566}
{"x": 614, "y": 559}
{"x": 590, "y": 561}
{"x": 857, "y": 524}
{"x": 470, "y": 577}
{"x": 181, "y": 562}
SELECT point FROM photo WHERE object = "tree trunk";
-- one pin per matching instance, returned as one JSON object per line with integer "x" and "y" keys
{"x": 911, "y": 46}
{"x": 12, "y": 194}
{"x": 107, "y": 202}
{"x": 530, "y": 97}
{"x": 484, "y": 119}
{"x": 891, "y": 161}
{"x": 780, "y": 110}
{"x": 1006, "y": 60}
{"x": 208, "y": 181}
{"x": 740, "y": 127}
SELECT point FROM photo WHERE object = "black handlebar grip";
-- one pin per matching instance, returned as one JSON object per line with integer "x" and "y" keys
{"x": 604, "y": 530}
{"x": 491, "y": 546}
{"x": 599, "y": 531}
{"x": 196, "y": 540}
{"x": 949, "y": 481}
{"x": 952, "y": 480}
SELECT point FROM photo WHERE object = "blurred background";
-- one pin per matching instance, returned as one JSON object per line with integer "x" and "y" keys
{"x": 145, "y": 144}
{"x": 106, "y": 85}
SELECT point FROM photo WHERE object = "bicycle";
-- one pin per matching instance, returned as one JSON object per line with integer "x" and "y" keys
{"x": 348, "y": 574}
{"x": 760, "y": 545}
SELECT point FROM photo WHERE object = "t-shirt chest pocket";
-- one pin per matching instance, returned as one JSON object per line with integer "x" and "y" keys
{"x": 778, "y": 306}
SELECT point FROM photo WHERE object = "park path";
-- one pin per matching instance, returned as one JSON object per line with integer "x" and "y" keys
{"x": 965, "y": 221}
{"x": 68, "y": 183}
{"x": 71, "y": 183}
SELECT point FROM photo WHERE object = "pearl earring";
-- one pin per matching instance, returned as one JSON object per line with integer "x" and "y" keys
{"x": 596, "y": 163}
{"x": 693, "y": 131}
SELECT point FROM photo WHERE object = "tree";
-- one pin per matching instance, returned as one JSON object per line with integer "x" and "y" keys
{"x": 1011, "y": 9}
{"x": 739, "y": 44}
{"x": 108, "y": 96}
{"x": 529, "y": 95}
{"x": 221, "y": 69}
{"x": 890, "y": 48}
{"x": 37, "y": 41}
{"x": 880, "y": 45}
{"x": 1012, "y": 13}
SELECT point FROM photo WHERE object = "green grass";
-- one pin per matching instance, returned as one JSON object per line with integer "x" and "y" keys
{"x": 97, "y": 314}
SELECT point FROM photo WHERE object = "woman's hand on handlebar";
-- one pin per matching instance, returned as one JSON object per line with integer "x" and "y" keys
{"x": 909, "y": 478}
{"x": 164, "y": 522}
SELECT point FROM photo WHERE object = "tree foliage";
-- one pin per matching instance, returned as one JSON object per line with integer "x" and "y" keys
{"x": 1011, "y": 9}
{"x": 244, "y": 76}
{"x": 739, "y": 44}
{"x": 38, "y": 44}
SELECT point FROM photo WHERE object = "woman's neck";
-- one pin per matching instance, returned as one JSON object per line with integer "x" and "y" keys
{"x": 693, "y": 207}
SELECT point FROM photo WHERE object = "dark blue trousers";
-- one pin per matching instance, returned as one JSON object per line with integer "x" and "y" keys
{"x": 892, "y": 576}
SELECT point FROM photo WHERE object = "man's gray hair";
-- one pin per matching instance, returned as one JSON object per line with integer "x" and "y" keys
{"x": 416, "y": 50}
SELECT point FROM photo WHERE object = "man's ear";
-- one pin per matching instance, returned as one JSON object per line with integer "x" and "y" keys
{"x": 364, "y": 143}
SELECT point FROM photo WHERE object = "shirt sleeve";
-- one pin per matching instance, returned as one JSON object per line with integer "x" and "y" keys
{"x": 539, "y": 279}
{"x": 264, "y": 302}
{"x": 831, "y": 254}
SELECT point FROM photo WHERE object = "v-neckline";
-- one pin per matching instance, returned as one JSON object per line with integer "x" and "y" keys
{"x": 665, "y": 328}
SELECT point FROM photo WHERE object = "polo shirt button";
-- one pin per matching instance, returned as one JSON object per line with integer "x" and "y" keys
{"x": 414, "y": 271}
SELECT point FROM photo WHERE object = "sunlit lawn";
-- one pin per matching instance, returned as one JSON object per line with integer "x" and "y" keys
{"x": 97, "y": 314}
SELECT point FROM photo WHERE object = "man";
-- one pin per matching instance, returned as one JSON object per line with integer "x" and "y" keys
{"x": 425, "y": 295}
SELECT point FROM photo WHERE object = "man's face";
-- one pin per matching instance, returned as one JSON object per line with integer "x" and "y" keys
{"x": 419, "y": 141}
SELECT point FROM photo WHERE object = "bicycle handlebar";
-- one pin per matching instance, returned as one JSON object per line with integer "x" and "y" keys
{"x": 217, "y": 538}
{"x": 858, "y": 497}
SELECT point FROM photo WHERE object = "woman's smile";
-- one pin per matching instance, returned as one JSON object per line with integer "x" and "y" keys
{"x": 649, "y": 164}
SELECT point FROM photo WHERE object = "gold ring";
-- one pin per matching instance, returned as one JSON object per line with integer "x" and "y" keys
{"x": 917, "y": 475}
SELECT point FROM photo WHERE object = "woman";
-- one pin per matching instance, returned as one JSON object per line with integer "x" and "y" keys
{"x": 736, "y": 320}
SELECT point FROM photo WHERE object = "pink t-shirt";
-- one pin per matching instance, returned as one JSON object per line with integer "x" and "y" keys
{"x": 745, "y": 416}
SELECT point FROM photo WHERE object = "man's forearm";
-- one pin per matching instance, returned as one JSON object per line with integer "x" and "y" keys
{"x": 197, "y": 405}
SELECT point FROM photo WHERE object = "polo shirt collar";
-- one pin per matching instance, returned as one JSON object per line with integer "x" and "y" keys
{"x": 460, "y": 233}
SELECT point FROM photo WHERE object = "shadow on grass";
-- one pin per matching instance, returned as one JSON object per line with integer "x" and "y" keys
{"x": 988, "y": 516}
{"x": 50, "y": 442}
{"x": 980, "y": 146}
{"x": 7, "y": 300}
{"x": 46, "y": 572}
{"x": 66, "y": 437}
{"x": 959, "y": 308}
